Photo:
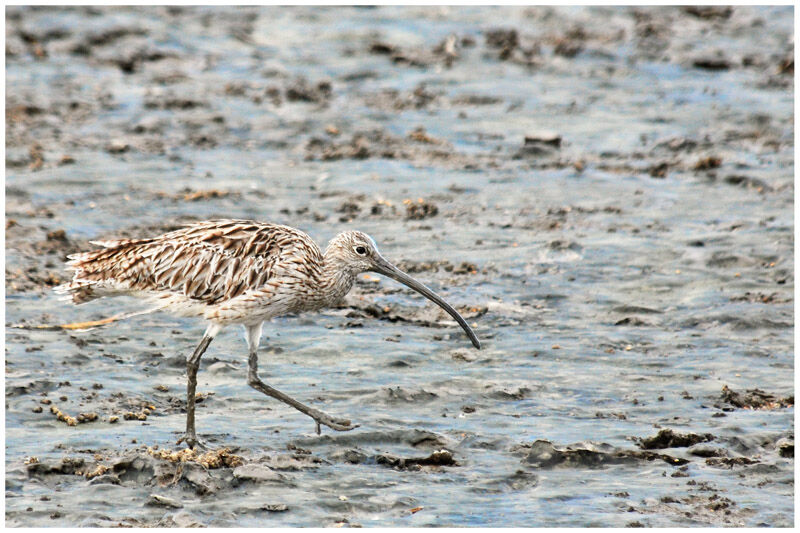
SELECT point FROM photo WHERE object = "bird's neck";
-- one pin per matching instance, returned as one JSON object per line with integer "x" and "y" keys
{"x": 336, "y": 279}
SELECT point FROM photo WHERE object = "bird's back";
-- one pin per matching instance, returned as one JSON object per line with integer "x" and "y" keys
{"x": 204, "y": 264}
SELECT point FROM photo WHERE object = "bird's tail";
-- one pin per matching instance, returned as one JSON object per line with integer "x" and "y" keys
{"x": 78, "y": 291}
{"x": 103, "y": 272}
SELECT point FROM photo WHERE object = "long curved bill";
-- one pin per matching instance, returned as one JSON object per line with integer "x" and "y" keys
{"x": 382, "y": 266}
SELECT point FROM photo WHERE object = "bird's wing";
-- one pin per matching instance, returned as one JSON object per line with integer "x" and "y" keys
{"x": 209, "y": 262}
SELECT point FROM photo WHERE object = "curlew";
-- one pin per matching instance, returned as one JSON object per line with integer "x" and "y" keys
{"x": 236, "y": 272}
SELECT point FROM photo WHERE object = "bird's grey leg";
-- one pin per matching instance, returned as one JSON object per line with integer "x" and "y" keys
{"x": 192, "y": 365}
{"x": 253, "y": 337}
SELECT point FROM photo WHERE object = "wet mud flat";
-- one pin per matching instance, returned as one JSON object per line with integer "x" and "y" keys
{"x": 606, "y": 194}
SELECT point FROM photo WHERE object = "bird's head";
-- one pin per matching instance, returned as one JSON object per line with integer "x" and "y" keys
{"x": 353, "y": 251}
{"x": 356, "y": 252}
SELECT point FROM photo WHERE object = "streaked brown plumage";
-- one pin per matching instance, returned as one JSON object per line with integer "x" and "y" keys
{"x": 203, "y": 267}
{"x": 236, "y": 272}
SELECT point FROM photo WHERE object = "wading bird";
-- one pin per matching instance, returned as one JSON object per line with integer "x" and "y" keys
{"x": 236, "y": 272}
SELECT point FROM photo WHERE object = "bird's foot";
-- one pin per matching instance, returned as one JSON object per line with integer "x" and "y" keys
{"x": 338, "y": 424}
{"x": 193, "y": 442}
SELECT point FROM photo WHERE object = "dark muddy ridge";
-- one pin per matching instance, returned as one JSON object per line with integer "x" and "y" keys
{"x": 606, "y": 194}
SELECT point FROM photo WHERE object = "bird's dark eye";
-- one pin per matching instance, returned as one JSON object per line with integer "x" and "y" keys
{"x": 360, "y": 250}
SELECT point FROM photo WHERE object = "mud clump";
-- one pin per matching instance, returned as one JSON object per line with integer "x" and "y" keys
{"x": 301, "y": 90}
{"x": 185, "y": 469}
{"x": 659, "y": 170}
{"x": 86, "y": 417}
{"x": 505, "y": 41}
{"x": 547, "y": 138}
{"x": 194, "y": 196}
{"x": 173, "y": 102}
{"x": 358, "y": 147}
{"x": 438, "y": 458}
{"x": 709, "y": 12}
{"x": 666, "y": 438}
{"x": 212, "y": 459}
{"x": 707, "y": 507}
{"x": 379, "y": 144}
{"x": 785, "y": 447}
{"x": 730, "y": 462}
{"x": 538, "y": 145}
{"x": 708, "y": 163}
{"x": 40, "y": 270}
{"x": 56, "y": 242}
{"x": 422, "y": 136}
{"x": 420, "y": 209}
{"x": 350, "y": 210}
{"x": 753, "y": 399}
{"x": 63, "y": 417}
{"x": 712, "y": 62}
{"x": 543, "y": 454}
{"x": 748, "y": 183}
{"x": 465, "y": 267}
{"x": 68, "y": 466}
{"x": 760, "y": 297}
{"x": 392, "y": 99}
{"x": 99, "y": 470}
{"x": 445, "y": 52}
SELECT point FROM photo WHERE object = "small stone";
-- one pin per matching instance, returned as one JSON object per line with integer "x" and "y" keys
{"x": 275, "y": 507}
{"x": 550, "y": 138}
{"x": 785, "y": 447}
{"x": 163, "y": 501}
{"x": 256, "y": 472}
{"x": 117, "y": 146}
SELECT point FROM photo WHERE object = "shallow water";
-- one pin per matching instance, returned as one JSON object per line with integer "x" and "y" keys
{"x": 611, "y": 303}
